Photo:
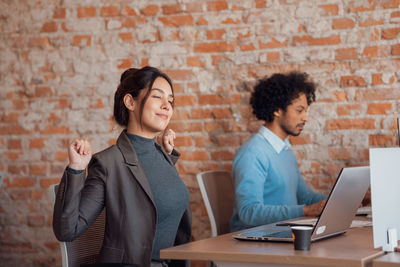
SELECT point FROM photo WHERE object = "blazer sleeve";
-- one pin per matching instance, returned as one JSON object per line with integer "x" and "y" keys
{"x": 79, "y": 201}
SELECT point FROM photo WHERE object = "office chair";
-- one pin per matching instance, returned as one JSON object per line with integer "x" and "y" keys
{"x": 86, "y": 248}
{"x": 216, "y": 188}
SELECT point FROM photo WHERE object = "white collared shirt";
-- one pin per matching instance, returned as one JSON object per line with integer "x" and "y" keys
{"x": 277, "y": 143}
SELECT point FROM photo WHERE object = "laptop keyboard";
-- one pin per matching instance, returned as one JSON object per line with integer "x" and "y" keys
{"x": 270, "y": 233}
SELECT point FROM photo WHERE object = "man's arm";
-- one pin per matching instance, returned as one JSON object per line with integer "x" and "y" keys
{"x": 249, "y": 175}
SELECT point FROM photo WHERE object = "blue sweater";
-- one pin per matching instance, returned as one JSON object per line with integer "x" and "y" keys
{"x": 267, "y": 182}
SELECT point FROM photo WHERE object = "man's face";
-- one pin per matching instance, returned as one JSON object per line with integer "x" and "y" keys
{"x": 292, "y": 120}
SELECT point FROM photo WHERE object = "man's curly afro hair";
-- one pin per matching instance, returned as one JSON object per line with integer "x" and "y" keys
{"x": 278, "y": 92}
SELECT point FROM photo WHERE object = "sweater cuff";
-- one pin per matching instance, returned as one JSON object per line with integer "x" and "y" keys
{"x": 73, "y": 171}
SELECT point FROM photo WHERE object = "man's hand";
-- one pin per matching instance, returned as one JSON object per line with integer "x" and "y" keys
{"x": 314, "y": 209}
{"x": 79, "y": 154}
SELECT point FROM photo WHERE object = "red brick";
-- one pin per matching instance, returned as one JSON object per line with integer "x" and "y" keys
{"x": 272, "y": 44}
{"x": 395, "y": 50}
{"x": 201, "y": 113}
{"x": 377, "y": 94}
{"x": 303, "y": 139}
{"x": 247, "y": 47}
{"x": 362, "y": 6}
{"x": 228, "y": 140}
{"x": 222, "y": 155}
{"x": 171, "y": 9}
{"x": 61, "y": 156}
{"x": 180, "y": 74}
{"x": 194, "y": 156}
{"x": 177, "y": 21}
{"x": 36, "y": 194}
{"x": 193, "y": 7}
{"x": 19, "y": 182}
{"x": 390, "y": 34}
{"x": 221, "y": 113}
{"x": 273, "y": 57}
{"x": 128, "y": 11}
{"x": 202, "y": 21}
{"x": 82, "y": 40}
{"x": 215, "y": 34}
{"x": 380, "y": 140}
{"x": 59, "y": 13}
{"x": 50, "y": 26}
{"x": 370, "y": 52}
{"x": 214, "y": 47}
{"x": 352, "y": 81}
{"x": 39, "y": 42}
{"x": 109, "y": 11}
{"x": 186, "y": 127}
{"x": 19, "y": 194}
{"x": 43, "y": 91}
{"x": 17, "y": 169}
{"x": 217, "y": 5}
{"x": 38, "y": 169}
{"x": 195, "y": 62}
{"x": 12, "y": 155}
{"x": 185, "y": 100}
{"x": 330, "y": 9}
{"x": 261, "y": 3}
{"x": 395, "y": 15}
{"x": 202, "y": 141}
{"x": 213, "y": 99}
{"x": 86, "y": 12}
{"x": 339, "y": 154}
{"x": 150, "y": 10}
{"x": 376, "y": 78}
{"x": 346, "y": 53}
{"x": 125, "y": 63}
{"x": 346, "y": 124}
{"x": 10, "y": 118}
{"x": 231, "y": 21}
{"x": 342, "y": 23}
{"x": 371, "y": 22}
{"x": 55, "y": 129}
{"x": 46, "y": 182}
{"x": 311, "y": 41}
{"x": 379, "y": 108}
{"x": 182, "y": 141}
{"x": 13, "y": 129}
{"x": 36, "y": 220}
{"x": 390, "y": 4}
{"x": 346, "y": 109}
{"x": 14, "y": 144}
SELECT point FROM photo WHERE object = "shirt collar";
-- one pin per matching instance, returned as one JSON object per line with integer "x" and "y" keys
{"x": 277, "y": 143}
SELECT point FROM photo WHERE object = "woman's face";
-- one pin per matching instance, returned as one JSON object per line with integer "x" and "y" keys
{"x": 157, "y": 110}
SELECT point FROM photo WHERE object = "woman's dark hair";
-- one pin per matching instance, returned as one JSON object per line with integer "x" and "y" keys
{"x": 278, "y": 92}
{"x": 132, "y": 82}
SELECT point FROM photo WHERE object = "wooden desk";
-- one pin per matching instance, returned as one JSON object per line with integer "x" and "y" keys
{"x": 355, "y": 248}
{"x": 391, "y": 259}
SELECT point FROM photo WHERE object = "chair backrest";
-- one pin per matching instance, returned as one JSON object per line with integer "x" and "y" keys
{"x": 86, "y": 248}
{"x": 216, "y": 188}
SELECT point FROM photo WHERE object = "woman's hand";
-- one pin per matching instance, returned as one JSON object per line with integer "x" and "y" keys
{"x": 79, "y": 154}
{"x": 167, "y": 140}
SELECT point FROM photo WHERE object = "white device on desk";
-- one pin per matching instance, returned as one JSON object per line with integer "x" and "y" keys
{"x": 385, "y": 196}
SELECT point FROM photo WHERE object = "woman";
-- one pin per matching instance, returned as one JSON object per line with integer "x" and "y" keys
{"x": 146, "y": 202}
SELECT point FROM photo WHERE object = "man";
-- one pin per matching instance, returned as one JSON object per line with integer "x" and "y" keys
{"x": 267, "y": 182}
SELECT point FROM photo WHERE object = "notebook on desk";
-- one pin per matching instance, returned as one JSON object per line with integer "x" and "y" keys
{"x": 336, "y": 216}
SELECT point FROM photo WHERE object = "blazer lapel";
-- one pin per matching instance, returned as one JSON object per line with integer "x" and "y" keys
{"x": 133, "y": 164}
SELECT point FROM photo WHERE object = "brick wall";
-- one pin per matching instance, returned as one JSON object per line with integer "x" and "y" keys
{"x": 60, "y": 62}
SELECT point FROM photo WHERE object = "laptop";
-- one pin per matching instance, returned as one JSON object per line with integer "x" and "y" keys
{"x": 336, "y": 217}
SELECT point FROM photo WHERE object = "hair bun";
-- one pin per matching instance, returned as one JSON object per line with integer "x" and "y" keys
{"x": 128, "y": 73}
